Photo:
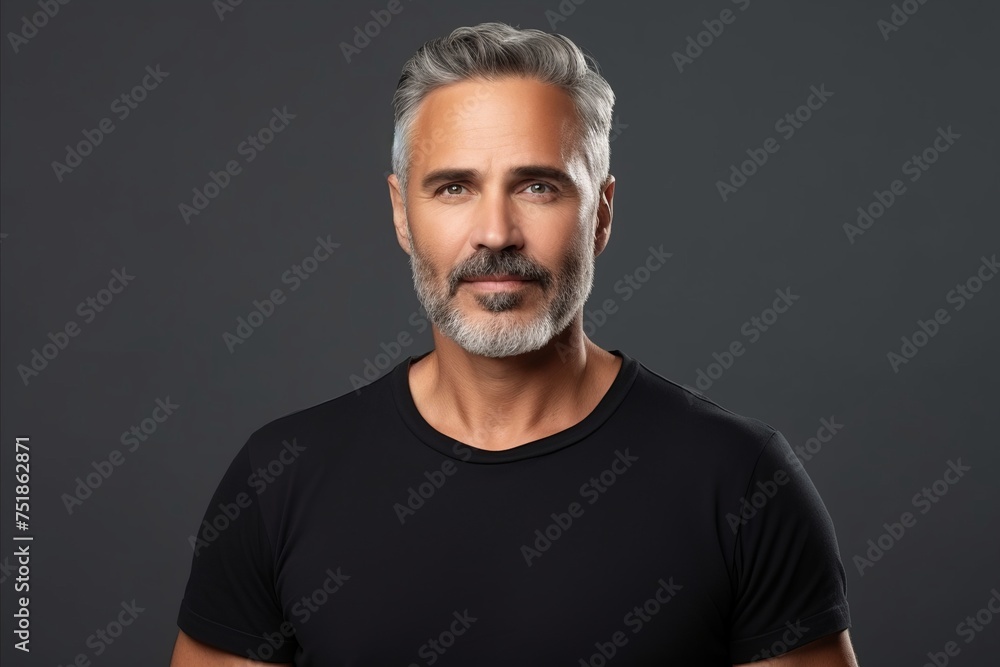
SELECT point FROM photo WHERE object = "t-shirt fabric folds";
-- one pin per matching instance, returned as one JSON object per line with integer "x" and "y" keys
{"x": 660, "y": 529}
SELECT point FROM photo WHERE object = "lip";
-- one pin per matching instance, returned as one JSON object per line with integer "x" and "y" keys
{"x": 496, "y": 279}
{"x": 497, "y": 282}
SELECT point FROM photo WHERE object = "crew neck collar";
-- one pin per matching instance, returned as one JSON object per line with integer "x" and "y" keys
{"x": 455, "y": 449}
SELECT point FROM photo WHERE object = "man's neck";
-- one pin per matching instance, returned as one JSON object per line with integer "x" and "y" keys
{"x": 497, "y": 404}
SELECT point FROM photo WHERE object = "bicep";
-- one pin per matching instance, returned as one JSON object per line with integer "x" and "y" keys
{"x": 833, "y": 650}
{"x": 189, "y": 652}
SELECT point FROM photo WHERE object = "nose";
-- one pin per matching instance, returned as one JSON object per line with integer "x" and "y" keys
{"x": 494, "y": 224}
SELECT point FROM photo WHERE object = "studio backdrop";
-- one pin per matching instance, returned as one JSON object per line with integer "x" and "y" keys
{"x": 197, "y": 239}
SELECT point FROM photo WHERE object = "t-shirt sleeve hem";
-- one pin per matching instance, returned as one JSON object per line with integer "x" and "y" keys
{"x": 229, "y": 639}
{"x": 801, "y": 632}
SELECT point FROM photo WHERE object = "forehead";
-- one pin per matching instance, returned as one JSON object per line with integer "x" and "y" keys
{"x": 480, "y": 123}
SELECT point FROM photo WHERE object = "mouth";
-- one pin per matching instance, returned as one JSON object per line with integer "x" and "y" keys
{"x": 499, "y": 282}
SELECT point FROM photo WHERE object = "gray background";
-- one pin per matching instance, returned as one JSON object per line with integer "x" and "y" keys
{"x": 324, "y": 175}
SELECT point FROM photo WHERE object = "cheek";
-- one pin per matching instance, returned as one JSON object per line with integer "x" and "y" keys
{"x": 558, "y": 239}
{"x": 437, "y": 254}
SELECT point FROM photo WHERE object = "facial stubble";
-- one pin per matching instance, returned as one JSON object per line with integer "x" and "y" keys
{"x": 497, "y": 330}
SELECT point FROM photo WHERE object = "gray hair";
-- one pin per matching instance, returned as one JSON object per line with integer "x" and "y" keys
{"x": 494, "y": 50}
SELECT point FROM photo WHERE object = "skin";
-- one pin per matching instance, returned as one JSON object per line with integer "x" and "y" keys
{"x": 500, "y": 403}
{"x": 832, "y": 650}
{"x": 490, "y": 402}
{"x": 189, "y": 652}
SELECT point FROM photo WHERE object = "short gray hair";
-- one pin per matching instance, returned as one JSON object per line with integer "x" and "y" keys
{"x": 495, "y": 50}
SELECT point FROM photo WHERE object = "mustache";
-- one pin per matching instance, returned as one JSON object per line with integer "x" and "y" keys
{"x": 488, "y": 263}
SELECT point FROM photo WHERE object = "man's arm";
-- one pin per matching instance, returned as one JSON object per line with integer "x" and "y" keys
{"x": 830, "y": 651}
{"x": 189, "y": 652}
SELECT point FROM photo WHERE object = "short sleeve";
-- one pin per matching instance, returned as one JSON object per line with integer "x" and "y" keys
{"x": 230, "y": 601}
{"x": 790, "y": 581}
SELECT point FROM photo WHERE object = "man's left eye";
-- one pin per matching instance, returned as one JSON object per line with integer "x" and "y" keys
{"x": 540, "y": 192}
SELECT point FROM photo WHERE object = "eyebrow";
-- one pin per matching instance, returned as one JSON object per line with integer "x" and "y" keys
{"x": 441, "y": 176}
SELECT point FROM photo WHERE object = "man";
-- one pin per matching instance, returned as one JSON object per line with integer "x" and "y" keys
{"x": 517, "y": 495}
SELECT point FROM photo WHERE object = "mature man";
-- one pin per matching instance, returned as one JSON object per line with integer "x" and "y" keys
{"x": 517, "y": 495}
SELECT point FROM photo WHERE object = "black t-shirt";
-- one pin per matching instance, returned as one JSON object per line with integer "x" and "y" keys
{"x": 662, "y": 528}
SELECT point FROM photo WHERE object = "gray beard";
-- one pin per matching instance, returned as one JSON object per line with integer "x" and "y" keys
{"x": 502, "y": 334}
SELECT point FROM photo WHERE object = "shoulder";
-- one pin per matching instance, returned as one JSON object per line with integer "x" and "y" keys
{"x": 700, "y": 425}
{"x": 321, "y": 426}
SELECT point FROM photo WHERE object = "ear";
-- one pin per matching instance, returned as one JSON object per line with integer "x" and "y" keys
{"x": 398, "y": 213}
{"x": 605, "y": 211}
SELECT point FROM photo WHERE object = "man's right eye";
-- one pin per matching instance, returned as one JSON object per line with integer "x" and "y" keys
{"x": 448, "y": 189}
